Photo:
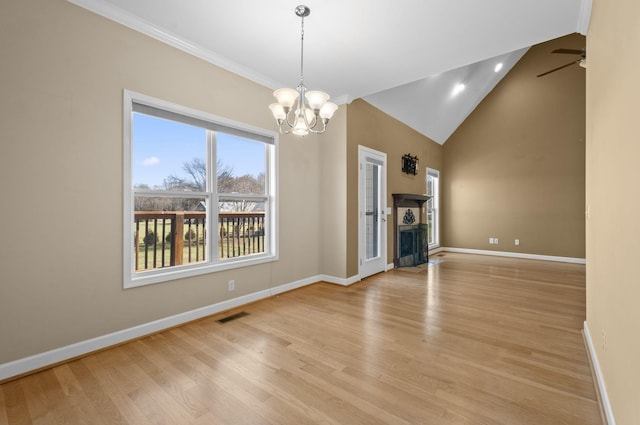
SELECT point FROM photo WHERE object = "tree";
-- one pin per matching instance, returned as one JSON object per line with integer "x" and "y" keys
{"x": 150, "y": 238}
{"x": 245, "y": 184}
{"x": 225, "y": 179}
{"x": 196, "y": 179}
{"x": 248, "y": 184}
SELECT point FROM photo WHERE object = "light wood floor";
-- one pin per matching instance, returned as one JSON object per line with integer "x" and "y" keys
{"x": 474, "y": 340}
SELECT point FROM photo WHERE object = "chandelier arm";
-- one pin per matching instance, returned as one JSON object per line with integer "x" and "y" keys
{"x": 291, "y": 118}
{"x": 314, "y": 122}
{"x": 283, "y": 131}
{"x": 287, "y": 119}
{"x": 299, "y": 105}
{"x": 324, "y": 127}
{"x": 302, "y": 105}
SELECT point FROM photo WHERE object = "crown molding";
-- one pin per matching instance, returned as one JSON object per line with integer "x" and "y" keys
{"x": 113, "y": 13}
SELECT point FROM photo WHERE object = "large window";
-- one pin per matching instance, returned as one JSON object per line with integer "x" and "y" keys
{"x": 433, "y": 218}
{"x": 199, "y": 192}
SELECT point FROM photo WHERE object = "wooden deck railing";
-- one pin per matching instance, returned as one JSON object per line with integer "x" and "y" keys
{"x": 172, "y": 238}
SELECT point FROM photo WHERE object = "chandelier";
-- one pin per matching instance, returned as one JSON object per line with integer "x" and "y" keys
{"x": 301, "y": 111}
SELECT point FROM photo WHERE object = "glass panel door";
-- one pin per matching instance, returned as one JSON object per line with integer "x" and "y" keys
{"x": 372, "y": 210}
{"x": 372, "y": 221}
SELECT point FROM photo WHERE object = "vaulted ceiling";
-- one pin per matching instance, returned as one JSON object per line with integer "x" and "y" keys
{"x": 403, "y": 56}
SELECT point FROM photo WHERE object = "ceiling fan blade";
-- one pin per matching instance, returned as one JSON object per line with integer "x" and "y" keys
{"x": 557, "y": 69}
{"x": 569, "y": 51}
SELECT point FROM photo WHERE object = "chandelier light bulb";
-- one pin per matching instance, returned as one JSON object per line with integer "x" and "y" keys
{"x": 286, "y": 97}
{"x": 327, "y": 110}
{"x": 278, "y": 112}
{"x": 300, "y": 128}
{"x": 316, "y": 99}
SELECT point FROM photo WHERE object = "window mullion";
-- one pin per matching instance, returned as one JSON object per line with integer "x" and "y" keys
{"x": 242, "y": 196}
{"x": 212, "y": 210}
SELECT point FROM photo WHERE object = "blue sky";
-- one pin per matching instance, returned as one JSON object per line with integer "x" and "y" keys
{"x": 160, "y": 147}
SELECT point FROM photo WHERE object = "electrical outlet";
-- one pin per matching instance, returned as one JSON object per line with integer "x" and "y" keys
{"x": 496, "y": 241}
{"x": 232, "y": 285}
{"x": 517, "y": 242}
{"x": 490, "y": 241}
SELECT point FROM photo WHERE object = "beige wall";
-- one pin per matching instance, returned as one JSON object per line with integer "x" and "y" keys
{"x": 613, "y": 199}
{"x": 370, "y": 127}
{"x": 333, "y": 197}
{"x": 63, "y": 73}
{"x": 515, "y": 168}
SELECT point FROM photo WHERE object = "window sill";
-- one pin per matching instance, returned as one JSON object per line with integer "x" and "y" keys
{"x": 181, "y": 272}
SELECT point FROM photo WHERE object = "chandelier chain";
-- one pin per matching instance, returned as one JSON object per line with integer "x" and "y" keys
{"x": 302, "y": 50}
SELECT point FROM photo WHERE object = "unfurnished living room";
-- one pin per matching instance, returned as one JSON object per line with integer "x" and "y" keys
{"x": 319, "y": 213}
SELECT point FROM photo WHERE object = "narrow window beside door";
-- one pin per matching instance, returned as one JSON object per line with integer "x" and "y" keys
{"x": 433, "y": 221}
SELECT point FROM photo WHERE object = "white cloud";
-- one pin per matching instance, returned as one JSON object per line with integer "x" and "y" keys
{"x": 152, "y": 160}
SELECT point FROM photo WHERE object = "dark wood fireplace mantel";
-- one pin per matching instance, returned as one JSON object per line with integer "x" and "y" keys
{"x": 409, "y": 200}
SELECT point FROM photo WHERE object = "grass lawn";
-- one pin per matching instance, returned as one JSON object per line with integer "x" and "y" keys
{"x": 228, "y": 248}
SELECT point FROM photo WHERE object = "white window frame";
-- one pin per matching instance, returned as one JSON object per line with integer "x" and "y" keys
{"x": 213, "y": 263}
{"x": 436, "y": 206}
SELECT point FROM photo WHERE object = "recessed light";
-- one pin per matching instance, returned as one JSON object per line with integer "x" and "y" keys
{"x": 498, "y": 67}
{"x": 457, "y": 89}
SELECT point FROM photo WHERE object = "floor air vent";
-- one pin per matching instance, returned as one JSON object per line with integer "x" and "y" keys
{"x": 233, "y": 317}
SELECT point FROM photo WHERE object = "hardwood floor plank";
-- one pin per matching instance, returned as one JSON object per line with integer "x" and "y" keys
{"x": 473, "y": 340}
{"x": 117, "y": 393}
{"x": 41, "y": 408}
{"x": 80, "y": 399}
{"x": 160, "y": 395}
{"x": 3, "y": 410}
{"x": 15, "y": 404}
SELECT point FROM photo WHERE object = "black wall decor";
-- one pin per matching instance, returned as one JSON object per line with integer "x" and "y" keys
{"x": 410, "y": 164}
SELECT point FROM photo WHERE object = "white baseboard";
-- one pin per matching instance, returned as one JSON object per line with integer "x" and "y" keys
{"x": 289, "y": 286}
{"x": 515, "y": 255}
{"x": 436, "y": 250}
{"x": 52, "y": 357}
{"x": 338, "y": 280}
{"x": 593, "y": 357}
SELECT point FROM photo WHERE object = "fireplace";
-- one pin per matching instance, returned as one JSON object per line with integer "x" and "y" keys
{"x": 410, "y": 241}
{"x": 413, "y": 245}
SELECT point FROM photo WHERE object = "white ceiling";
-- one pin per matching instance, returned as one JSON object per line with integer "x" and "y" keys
{"x": 402, "y": 56}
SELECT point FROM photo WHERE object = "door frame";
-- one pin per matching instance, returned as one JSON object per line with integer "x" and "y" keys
{"x": 379, "y": 264}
